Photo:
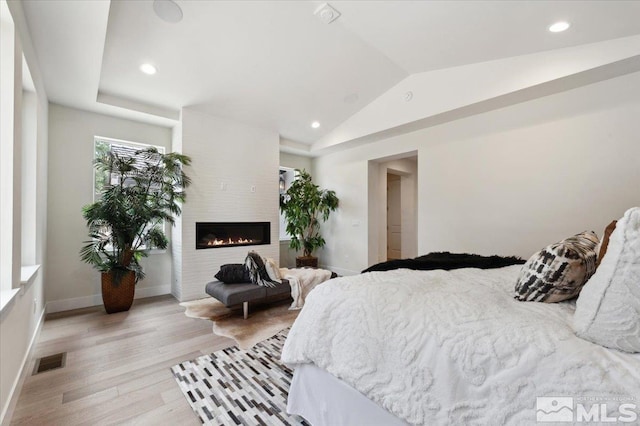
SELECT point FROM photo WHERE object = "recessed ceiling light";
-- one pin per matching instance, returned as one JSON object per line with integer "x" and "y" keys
{"x": 558, "y": 27}
{"x": 148, "y": 69}
{"x": 315, "y": 124}
{"x": 167, "y": 10}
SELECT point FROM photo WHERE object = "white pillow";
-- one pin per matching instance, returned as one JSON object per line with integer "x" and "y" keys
{"x": 272, "y": 269}
{"x": 608, "y": 309}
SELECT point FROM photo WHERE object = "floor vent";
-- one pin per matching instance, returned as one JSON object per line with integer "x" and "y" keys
{"x": 50, "y": 362}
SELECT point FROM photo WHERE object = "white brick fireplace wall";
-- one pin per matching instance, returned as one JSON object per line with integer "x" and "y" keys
{"x": 235, "y": 179}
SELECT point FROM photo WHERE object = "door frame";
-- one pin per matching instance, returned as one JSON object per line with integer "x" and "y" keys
{"x": 399, "y": 212}
{"x": 377, "y": 197}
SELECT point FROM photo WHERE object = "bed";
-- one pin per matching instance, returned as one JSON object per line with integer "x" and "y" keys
{"x": 442, "y": 347}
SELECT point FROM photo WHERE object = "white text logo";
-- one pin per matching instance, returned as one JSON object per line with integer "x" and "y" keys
{"x": 586, "y": 409}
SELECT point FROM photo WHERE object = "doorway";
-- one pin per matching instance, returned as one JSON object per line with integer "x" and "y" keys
{"x": 393, "y": 207}
{"x": 394, "y": 217}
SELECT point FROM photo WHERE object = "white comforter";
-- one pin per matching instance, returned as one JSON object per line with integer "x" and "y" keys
{"x": 453, "y": 347}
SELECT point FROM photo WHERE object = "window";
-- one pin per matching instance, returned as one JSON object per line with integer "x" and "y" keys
{"x": 123, "y": 149}
{"x": 287, "y": 176}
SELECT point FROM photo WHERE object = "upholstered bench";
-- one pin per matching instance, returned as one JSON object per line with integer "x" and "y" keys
{"x": 235, "y": 294}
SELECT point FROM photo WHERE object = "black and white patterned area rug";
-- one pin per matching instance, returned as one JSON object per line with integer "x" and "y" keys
{"x": 236, "y": 387}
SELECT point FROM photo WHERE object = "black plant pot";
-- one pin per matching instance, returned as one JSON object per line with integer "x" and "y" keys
{"x": 306, "y": 261}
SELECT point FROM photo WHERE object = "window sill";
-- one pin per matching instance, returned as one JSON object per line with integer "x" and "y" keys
{"x": 157, "y": 251}
{"x": 6, "y": 297}
{"x": 28, "y": 274}
{"x": 150, "y": 251}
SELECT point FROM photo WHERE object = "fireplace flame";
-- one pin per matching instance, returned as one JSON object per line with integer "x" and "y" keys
{"x": 229, "y": 242}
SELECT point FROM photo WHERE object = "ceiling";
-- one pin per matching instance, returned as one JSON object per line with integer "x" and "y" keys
{"x": 273, "y": 64}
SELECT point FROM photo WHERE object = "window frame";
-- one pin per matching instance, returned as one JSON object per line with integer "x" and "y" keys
{"x": 130, "y": 144}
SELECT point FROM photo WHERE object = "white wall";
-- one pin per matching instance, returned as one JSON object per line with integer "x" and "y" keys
{"x": 294, "y": 161}
{"x": 509, "y": 181}
{"x": 20, "y": 323}
{"x": 288, "y": 255}
{"x": 240, "y": 157}
{"x": 70, "y": 282}
{"x": 346, "y": 231}
{"x": 20, "y": 320}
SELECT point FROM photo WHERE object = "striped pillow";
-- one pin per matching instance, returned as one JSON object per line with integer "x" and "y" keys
{"x": 558, "y": 271}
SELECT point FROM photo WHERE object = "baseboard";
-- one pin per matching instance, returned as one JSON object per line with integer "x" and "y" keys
{"x": 340, "y": 271}
{"x": 73, "y": 303}
{"x": 152, "y": 291}
{"x": 7, "y": 410}
{"x": 96, "y": 299}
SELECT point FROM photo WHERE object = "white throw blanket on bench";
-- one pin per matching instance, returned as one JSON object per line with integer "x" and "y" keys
{"x": 302, "y": 281}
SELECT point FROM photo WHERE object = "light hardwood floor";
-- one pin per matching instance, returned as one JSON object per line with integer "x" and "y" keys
{"x": 117, "y": 366}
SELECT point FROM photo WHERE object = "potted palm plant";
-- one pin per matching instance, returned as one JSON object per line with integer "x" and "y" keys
{"x": 140, "y": 194}
{"x": 303, "y": 204}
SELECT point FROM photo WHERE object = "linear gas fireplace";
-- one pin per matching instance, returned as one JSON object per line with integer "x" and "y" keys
{"x": 231, "y": 234}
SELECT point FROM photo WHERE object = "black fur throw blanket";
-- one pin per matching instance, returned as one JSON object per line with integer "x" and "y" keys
{"x": 447, "y": 261}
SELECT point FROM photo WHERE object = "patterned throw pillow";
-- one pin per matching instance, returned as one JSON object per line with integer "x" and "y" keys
{"x": 608, "y": 309}
{"x": 558, "y": 271}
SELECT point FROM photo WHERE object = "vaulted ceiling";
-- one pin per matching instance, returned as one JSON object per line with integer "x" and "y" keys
{"x": 274, "y": 64}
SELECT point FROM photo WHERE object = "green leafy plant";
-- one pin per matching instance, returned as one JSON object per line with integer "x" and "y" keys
{"x": 138, "y": 195}
{"x": 303, "y": 204}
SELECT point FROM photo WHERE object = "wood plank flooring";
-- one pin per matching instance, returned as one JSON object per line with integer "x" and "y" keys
{"x": 117, "y": 366}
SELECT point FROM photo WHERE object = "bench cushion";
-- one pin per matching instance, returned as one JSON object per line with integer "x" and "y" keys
{"x": 234, "y": 294}
{"x": 282, "y": 288}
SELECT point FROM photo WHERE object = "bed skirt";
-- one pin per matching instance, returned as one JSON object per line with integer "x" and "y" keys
{"x": 313, "y": 391}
